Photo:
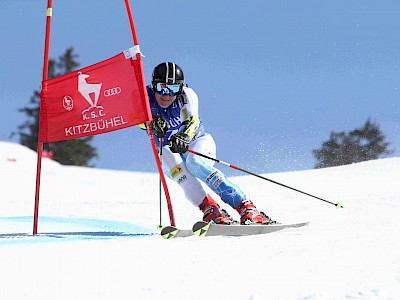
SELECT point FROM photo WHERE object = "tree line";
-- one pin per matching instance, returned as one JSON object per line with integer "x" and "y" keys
{"x": 77, "y": 152}
{"x": 361, "y": 144}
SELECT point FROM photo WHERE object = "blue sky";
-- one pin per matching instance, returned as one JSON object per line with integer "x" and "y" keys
{"x": 274, "y": 78}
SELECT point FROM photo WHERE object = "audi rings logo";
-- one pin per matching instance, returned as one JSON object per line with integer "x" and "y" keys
{"x": 112, "y": 92}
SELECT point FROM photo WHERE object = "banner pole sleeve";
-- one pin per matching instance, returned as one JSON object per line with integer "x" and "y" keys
{"x": 49, "y": 12}
{"x": 144, "y": 96}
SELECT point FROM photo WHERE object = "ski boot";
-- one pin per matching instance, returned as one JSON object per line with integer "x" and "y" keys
{"x": 212, "y": 212}
{"x": 270, "y": 221}
{"x": 249, "y": 213}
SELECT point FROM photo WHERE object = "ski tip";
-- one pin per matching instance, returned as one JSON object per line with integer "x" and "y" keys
{"x": 201, "y": 228}
{"x": 169, "y": 232}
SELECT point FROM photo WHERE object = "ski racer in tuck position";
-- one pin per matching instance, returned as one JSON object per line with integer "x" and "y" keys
{"x": 174, "y": 108}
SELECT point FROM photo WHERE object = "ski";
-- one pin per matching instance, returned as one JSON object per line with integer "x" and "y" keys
{"x": 202, "y": 229}
{"x": 169, "y": 232}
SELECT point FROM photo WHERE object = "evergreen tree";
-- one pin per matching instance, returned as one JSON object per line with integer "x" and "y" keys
{"x": 77, "y": 152}
{"x": 360, "y": 144}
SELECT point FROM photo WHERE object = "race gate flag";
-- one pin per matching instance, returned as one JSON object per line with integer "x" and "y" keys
{"x": 97, "y": 99}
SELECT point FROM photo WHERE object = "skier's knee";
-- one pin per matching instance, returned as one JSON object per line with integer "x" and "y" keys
{"x": 193, "y": 163}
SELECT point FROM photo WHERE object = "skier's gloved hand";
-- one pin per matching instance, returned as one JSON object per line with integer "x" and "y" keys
{"x": 179, "y": 142}
{"x": 159, "y": 126}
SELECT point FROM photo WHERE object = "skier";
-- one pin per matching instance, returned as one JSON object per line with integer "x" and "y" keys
{"x": 174, "y": 107}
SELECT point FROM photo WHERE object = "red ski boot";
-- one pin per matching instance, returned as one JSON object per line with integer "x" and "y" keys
{"x": 249, "y": 213}
{"x": 212, "y": 212}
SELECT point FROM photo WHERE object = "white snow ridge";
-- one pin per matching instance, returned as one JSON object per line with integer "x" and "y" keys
{"x": 98, "y": 238}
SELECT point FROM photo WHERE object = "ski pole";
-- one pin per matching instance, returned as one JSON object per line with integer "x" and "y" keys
{"x": 338, "y": 205}
{"x": 160, "y": 186}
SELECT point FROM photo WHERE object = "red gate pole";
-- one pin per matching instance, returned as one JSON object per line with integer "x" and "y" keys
{"x": 49, "y": 12}
{"x": 143, "y": 89}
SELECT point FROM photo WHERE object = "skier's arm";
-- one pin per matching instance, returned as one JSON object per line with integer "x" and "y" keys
{"x": 179, "y": 142}
{"x": 190, "y": 113}
{"x": 142, "y": 126}
{"x": 158, "y": 125}
{"x": 190, "y": 126}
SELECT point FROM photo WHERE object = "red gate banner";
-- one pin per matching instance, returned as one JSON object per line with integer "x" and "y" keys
{"x": 97, "y": 99}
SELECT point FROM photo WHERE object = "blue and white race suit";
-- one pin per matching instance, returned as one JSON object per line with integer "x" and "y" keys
{"x": 187, "y": 168}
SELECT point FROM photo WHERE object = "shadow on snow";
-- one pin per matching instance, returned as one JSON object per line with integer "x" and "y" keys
{"x": 56, "y": 228}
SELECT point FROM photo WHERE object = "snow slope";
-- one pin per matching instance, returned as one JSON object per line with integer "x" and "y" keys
{"x": 101, "y": 240}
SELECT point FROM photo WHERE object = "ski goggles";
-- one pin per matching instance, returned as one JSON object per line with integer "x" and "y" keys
{"x": 167, "y": 89}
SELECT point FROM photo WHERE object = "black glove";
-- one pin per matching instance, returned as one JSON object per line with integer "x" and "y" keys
{"x": 159, "y": 126}
{"x": 179, "y": 142}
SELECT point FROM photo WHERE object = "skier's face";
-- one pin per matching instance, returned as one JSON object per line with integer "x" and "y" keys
{"x": 164, "y": 100}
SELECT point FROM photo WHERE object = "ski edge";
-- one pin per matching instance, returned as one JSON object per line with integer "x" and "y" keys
{"x": 204, "y": 229}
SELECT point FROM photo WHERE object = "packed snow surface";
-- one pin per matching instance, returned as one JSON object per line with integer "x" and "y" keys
{"x": 98, "y": 236}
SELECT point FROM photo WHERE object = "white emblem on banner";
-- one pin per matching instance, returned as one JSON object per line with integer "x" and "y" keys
{"x": 68, "y": 103}
{"x": 89, "y": 88}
